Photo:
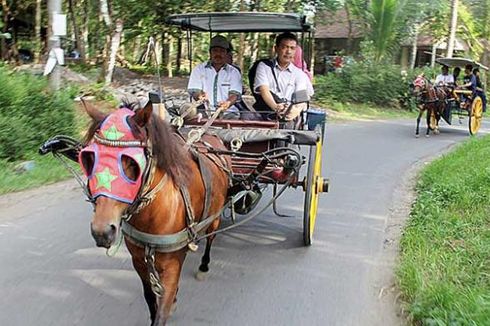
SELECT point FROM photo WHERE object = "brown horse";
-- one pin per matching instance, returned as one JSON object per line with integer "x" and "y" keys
{"x": 430, "y": 99}
{"x": 164, "y": 200}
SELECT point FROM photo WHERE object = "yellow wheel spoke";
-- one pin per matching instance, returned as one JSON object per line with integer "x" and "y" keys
{"x": 476, "y": 115}
{"x": 314, "y": 186}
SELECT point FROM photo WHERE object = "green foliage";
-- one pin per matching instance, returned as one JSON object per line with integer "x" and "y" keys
{"x": 384, "y": 14}
{"x": 30, "y": 114}
{"x": 363, "y": 82}
{"x": 470, "y": 29}
{"x": 431, "y": 16}
{"x": 444, "y": 266}
{"x": 100, "y": 92}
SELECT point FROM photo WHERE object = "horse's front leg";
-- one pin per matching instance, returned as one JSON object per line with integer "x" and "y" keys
{"x": 429, "y": 112}
{"x": 206, "y": 258}
{"x": 169, "y": 267}
{"x": 421, "y": 111}
{"x": 436, "y": 127}
{"x": 137, "y": 256}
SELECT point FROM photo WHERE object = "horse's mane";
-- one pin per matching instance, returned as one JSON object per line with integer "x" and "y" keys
{"x": 168, "y": 151}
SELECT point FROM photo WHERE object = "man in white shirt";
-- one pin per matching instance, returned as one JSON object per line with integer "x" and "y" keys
{"x": 216, "y": 81}
{"x": 444, "y": 79}
{"x": 279, "y": 81}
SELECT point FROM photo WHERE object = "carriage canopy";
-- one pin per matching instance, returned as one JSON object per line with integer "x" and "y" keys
{"x": 460, "y": 62}
{"x": 240, "y": 22}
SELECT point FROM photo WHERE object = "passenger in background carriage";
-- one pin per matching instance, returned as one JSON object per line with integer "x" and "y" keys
{"x": 456, "y": 72}
{"x": 444, "y": 79}
{"x": 469, "y": 80}
{"x": 217, "y": 81}
{"x": 278, "y": 82}
{"x": 469, "y": 83}
{"x": 480, "y": 91}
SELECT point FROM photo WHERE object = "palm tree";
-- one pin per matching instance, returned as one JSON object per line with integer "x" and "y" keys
{"x": 383, "y": 18}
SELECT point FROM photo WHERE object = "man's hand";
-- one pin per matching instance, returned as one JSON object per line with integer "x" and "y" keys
{"x": 224, "y": 105}
{"x": 281, "y": 108}
{"x": 202, "y": 96}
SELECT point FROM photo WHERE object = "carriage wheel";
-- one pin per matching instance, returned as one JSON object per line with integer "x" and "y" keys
{"x": 314, "y": 184}
{"x": 475, "y": 115}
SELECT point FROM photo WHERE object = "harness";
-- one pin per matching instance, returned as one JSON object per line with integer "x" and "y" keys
{"x": 194, "y": 228}
{"x": 114, "y": 139}
{"x": 114, "y": 136}
{"x": 427, "y": 92}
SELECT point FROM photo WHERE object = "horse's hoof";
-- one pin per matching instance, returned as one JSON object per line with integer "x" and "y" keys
{"x": 201, "y": 276}
{"x": 436, "y": 132}
{"x": 416, "y": 135}
{"x": 426, "y": 136}
{"x": 173, "y": 308}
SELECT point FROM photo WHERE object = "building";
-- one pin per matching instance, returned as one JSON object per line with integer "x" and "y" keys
{"x": 335, "y": 34}
{"x": 428, "y": 49}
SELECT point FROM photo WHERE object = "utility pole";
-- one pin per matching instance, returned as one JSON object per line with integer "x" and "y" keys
{"x": 57, "y": 28}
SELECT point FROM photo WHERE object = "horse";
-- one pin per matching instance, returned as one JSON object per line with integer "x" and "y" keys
{"x": 430, "y": 99}
{"x": 161, "y": 193}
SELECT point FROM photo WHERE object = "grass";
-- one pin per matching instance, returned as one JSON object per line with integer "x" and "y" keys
{"x": 444, "y": 269}
{"x": 360, "y": 111}
{"x": 46, "y": 170}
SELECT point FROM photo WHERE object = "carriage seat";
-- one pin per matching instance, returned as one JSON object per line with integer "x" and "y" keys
{"x": 298, "y": 137}
{"x": 258, "y": 135}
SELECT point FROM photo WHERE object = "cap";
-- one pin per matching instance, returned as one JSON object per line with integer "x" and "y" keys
{"x": 220, "y": 41}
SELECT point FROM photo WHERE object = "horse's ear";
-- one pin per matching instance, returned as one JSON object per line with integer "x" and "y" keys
{"x": 92, "y": 111}
{"x": 142, "y": 116}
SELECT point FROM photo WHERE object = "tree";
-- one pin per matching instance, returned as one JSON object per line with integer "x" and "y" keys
{"x": 76, "y": 30}
{"x": 423, "y": 17}
{"x": 452, "y": 28}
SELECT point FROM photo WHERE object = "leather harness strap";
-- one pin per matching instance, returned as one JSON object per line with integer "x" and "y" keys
{"x": 208, "y": 184}
{"x": 195, "y": 229}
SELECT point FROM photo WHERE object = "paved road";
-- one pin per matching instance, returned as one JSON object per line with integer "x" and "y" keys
{"x": 52, "y": 274}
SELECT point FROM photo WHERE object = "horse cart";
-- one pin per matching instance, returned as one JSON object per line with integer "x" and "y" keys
{"x": 162, "y": 182}
{"x": 461, "y": 101}
{"x": 262, "y": 152}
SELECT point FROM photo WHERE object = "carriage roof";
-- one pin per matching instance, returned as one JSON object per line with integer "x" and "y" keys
{"x": 460, "y": 62}
{"x": 240, "y": 22}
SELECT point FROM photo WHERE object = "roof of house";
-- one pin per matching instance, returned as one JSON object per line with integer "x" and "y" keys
{"x": 427, "y": 40}
{"x": 334, "y": 24}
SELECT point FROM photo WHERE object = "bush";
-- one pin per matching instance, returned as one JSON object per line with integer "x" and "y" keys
{"x": 362, "y": 82}
{"x": 30, "y": 114}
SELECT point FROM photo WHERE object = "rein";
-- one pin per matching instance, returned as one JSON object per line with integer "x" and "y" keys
{"x": 173, "y": 242}
{"x": 195, "y": 230}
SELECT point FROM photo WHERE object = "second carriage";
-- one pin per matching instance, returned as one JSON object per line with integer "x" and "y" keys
{"x": 463, "y": 102}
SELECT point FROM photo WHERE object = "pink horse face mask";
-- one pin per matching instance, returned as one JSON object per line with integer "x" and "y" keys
{"x": 419, "y": 82}
{"x": 103, "y": 165}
